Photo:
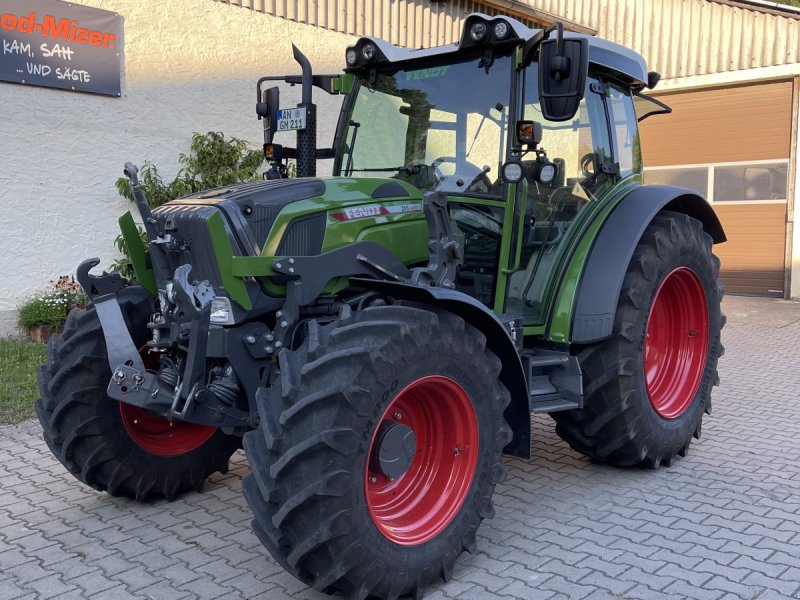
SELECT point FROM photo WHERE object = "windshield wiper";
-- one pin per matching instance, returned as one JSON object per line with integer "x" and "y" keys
{"x": 414, "y": 170}
{"x": 349, "y": 168}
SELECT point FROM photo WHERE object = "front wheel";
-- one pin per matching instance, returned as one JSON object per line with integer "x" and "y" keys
{"x": 113, "y": 446}
{"x": 648, "y": 385}
{"x": 375, "y": 461}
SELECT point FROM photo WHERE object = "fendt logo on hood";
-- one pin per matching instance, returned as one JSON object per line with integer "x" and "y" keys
{"x": 67, "y": 30}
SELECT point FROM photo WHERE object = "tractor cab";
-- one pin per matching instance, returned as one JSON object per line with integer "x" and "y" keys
{"x": 523, "y": 130}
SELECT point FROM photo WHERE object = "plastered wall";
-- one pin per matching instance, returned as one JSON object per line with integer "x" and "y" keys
{"x": 189, "y": 66}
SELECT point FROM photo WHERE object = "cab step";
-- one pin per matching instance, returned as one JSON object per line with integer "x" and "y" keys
{"x": 554, "y": 379}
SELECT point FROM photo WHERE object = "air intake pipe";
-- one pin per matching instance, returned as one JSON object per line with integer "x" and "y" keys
{"x": 306, "y": 138}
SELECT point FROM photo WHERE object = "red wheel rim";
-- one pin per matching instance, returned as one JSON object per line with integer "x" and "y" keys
{"x": 676, "y": 343}
{"x": 161, "y": 436}
{"x": 419, "y": 504}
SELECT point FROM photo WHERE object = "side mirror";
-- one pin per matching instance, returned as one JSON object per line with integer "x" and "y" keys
{"x": 563, "y": 65}
{"x": 529, "y": 133}
{"x": 267, "y": 110}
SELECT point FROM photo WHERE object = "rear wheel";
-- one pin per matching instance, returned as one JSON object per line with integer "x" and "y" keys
{"x": 648, "y": 385}
{"x": 375, "y": 462}
{"x": 113, "y": 446}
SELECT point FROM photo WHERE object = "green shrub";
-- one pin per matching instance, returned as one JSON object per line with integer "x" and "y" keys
{"x": 213, "y": 161}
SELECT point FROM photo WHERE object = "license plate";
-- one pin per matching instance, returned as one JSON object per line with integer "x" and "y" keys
{"x": 291, "y": 118}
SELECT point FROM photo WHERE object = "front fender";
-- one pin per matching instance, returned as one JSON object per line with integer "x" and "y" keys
{"x": 497, "y": 340}
{"x": 601, "y": 281}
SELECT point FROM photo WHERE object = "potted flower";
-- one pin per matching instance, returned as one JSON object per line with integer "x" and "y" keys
{"x": 44, "y": 313}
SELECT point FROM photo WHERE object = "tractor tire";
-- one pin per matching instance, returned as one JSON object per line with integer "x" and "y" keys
{"x": 376, "y": 459}
{"x": 112, "y": 446}
{"x": 648, "y": 385}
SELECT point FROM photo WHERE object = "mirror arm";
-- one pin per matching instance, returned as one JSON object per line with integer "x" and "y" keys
{"x": 530, "y": 46}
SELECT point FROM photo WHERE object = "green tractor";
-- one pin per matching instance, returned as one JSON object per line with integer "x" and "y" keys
{"x": 376, "y": 340}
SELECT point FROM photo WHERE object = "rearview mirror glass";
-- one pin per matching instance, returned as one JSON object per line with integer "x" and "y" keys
{"x": 268, "y": 110}
{"x": 562, "y": 77}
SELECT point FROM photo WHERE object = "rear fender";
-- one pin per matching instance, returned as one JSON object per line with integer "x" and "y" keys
{"x": 497, "y": 340}
{"x": 601, "y": 281}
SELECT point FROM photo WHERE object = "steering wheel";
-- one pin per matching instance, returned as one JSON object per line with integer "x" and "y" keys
{"x": 463, "y": 170}
{"x": 475, "y": 220}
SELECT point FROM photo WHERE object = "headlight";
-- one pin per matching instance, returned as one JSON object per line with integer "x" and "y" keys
{"x": 351, "y": 56}
{"x": 221, "y": 311}
{"x": 478, "y": 31}
{"x": 500, "y": 30}
{"x": 368, "y": 52}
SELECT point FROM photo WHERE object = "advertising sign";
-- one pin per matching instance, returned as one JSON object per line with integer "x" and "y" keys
{"x": 60, "y": 45}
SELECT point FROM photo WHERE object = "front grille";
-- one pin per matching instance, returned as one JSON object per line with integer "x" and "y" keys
{"x": 304, "y": 237}
{"x": 187, "y": 224}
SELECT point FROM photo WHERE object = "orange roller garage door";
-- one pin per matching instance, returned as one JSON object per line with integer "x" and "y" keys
{"x": 725, "y": 143}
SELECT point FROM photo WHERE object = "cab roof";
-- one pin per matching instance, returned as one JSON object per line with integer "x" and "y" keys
{"x": 608, "y": 55}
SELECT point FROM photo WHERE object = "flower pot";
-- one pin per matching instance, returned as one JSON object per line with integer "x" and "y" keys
{"x": 42, "y": 333}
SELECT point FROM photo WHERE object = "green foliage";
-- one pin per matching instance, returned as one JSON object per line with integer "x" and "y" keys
{"x": 123, "y": 264}
{"x": 51, "y": 306}
{"x": 19, "y": 361}
{"x": 213, "y": 161}
{"x": 153, "y": 186}
{"x": 790, "y": 2}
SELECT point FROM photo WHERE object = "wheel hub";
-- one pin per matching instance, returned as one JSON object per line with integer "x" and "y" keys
{"x": 396, "y": 445}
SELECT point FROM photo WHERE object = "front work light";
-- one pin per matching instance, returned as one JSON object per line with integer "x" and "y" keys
{"x": 513, "y": 172}
{"x": 547, "y": 173}
{"x": 500, "y": 30}
{"x": 351, "y": 56}
{"x": 478, "y": 31}
{"x": 368, "y": 52}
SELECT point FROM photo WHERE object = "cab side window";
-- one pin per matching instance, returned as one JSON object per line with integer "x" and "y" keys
{"x": 625, "y": 130}
{"x": 577, "y": 148}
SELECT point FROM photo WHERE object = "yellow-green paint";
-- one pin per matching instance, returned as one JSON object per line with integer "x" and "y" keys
{"x": 137, "y": 253}
{"x": 523, "y": 193}
{"x": 408, "y": 240}
{"x": 505, "y": 248}
{"x": 560, "y": 315}
{"x": 252, "y": 266}
{"x": 343, "y": 84}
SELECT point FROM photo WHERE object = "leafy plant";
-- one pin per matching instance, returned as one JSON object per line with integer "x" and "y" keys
{"x": 123, "y": 264}
{"x": 213, "y": 161}
{"x": 52, "y": 306}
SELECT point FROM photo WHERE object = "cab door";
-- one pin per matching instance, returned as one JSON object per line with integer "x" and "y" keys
{"x": 585, "y": 173}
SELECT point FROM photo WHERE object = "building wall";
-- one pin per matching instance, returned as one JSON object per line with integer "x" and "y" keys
{"x": 681, "y": 38}
{"x": 408, "y": 23}
{"x": 711, "y": 143}
{"x": 189, "y": 66}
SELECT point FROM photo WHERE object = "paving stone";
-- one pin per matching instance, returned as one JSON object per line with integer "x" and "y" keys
{"x": 722, "y": 523}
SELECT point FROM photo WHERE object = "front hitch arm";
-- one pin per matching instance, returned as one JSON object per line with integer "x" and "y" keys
{"x": 102, "y": 291}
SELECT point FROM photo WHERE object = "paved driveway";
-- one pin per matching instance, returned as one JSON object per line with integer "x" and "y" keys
{"x": 722, "y": 523}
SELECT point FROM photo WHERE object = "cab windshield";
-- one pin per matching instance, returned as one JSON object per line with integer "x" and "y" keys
{"x": 438, "y": 128}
